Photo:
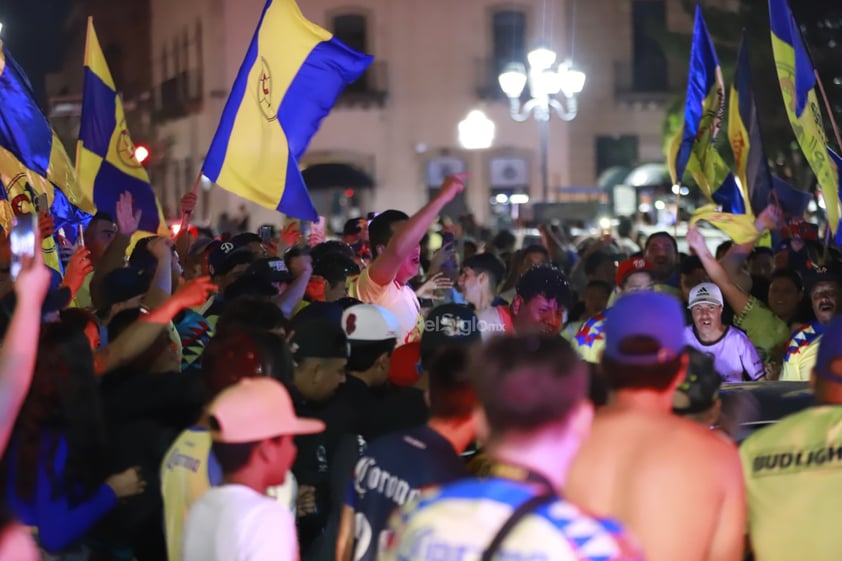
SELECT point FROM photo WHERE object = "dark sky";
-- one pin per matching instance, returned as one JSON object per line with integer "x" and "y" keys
{"x": 33, "y": 32}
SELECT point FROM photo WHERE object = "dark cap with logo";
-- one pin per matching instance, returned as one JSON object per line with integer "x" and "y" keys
{"x": 271, "y": 269}
{"x": 448, "y": 325}
{"x": 700, "y": 389}
{"x": 319, "y": 338}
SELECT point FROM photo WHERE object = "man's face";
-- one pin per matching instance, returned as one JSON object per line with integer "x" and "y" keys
{"x": 98, "y": 236}
{"x": 470, "y": 285}
{"x": 661, "y": 253}
{"x": 539, "y": 315}
{"x": 691, "y": 279}
{"x": 640, "y": 281}
{"x": 596, "y": 300}
{"x": 824, "y": 297}
{"x": 329, "y": 375}
{"x": 708, "y": 320}
{"x": 283, "y": 456}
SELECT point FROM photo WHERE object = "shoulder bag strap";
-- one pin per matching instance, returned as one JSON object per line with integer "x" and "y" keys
{"x": 531, "y": 504}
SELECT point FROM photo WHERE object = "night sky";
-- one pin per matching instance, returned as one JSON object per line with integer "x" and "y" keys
{"x": 33, "y": 32}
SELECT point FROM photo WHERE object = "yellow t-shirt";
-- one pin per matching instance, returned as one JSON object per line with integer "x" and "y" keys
{"x": 589, "y": 341}
{"x": 187, "y": 472}
{"x": 768, "y": 333}
{"x": 793, "y": 470}
{"x": 801, "y": 353}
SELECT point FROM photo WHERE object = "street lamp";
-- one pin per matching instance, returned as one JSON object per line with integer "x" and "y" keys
{"x": 476, "y": 131}
{"x": 545, "y": 84}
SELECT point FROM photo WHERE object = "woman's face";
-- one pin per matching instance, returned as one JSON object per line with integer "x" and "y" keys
{"x": 784, "y": 298}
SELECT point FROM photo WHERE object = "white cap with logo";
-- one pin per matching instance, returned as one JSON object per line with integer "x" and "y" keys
{"x": 705, "y": 293}
{"x": 370, "y": 322}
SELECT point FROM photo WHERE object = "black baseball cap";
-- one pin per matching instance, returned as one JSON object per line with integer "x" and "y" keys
{"x": 226, "y": 256}
{"x": 448, "y": 325}
{"x": 270, "y": 269}
{"x": 352, "y": 227}
{"x": 319, "y": 338}
{"x": 124, "y": 284}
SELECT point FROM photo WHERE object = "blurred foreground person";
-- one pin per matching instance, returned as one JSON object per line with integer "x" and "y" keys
{"x": 677, "y": 486}
{"x": 793, "y": 470}
{"x": 252, "y": 426}
{"x": 533, "y": 394}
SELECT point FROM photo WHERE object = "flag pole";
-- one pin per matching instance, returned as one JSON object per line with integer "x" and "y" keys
{"x": 185, "y": 216}
{"x": 827, "y": 108}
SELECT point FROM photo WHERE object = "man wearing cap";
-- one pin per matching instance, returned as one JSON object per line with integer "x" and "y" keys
{"x": 801, "y": 351}
{"x": 252, "y": 426}
{"x": 633, "y": 275}
{"x": 675, "y": 485}
{"x": 793, "y": 470}
{"x": 395, "y": 243}
{"x": 735, "y": 358}
{"x": 410, "y": 459}
{"x": 697, "y": 397}
{"x": 320, "y": 350}
{"x": 532, "y": 439}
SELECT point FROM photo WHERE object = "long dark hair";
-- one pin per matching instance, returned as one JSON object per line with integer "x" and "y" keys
{"x": 63, "y": 402}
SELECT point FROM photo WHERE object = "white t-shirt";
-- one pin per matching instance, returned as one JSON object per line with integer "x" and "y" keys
{"x": 236, "y": 523}
{"x": 398, "y": 299}
{"x": 733, "y": 354}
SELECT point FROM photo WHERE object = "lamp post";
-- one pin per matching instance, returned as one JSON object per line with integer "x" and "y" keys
{"x": 545, "y": 84}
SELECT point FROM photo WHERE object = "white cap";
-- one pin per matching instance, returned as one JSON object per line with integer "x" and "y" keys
{"x": 370, "y": 322}
{"x": 705, "y": 293}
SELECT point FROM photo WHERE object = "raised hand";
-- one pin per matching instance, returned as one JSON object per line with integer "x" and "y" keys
{"x": 195, "y": 292}
{"x": 127, "y": 483}
{"x": 78, "y": 267}
{"x": 34, "y": 278}
{"x": 188, "y": 203}
{"x": 452, "y": 186}
{"x": 46, "y": 224}
{"x": 128, "y": 220}
{"x": 161, "y": 247}
{"x": 696, "y": 241}
{"x": 439, "y": 281}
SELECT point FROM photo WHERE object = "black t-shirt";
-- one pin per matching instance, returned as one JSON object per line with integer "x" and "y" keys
{"x": 393, "y": 470}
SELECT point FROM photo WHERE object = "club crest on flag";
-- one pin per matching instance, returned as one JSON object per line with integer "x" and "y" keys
{"x": 125, "y": 146}
{"x": 264, "y": 91}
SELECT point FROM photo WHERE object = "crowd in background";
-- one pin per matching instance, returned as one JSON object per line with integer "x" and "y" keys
{"x": 416, "y": 388}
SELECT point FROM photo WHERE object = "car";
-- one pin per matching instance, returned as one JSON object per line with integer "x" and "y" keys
{"x": 750, "y": 406}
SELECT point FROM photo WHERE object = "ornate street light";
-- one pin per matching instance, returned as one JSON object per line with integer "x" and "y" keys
{"x": 550, "y": 89}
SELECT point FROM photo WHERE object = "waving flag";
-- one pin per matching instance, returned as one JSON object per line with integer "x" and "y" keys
{"x": 105, "y": 159}
{"x": 26, "y": 134}
{"x": 291, "y": 76}
{"x": 798, "y": 87}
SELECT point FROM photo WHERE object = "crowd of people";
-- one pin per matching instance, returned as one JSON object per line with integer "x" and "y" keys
{"x": 416, "y": 390}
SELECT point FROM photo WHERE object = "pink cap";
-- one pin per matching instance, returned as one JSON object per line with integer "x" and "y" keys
{"x": 256, "y": 409}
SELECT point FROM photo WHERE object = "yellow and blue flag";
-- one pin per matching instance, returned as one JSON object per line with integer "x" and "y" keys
{"x": 798, "y": 87}
{"x": 26, "y": 134}
{"x": 290, "y": 79}
{"x": 105, "y": 158}
{"x": 746, "y": 141}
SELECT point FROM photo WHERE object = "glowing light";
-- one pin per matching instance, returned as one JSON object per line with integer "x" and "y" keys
{"x": 519, "y": 199}
{"x": 141, "y": 153}
{"x": 501, "y": 199}
{"x": 659, "y": 205}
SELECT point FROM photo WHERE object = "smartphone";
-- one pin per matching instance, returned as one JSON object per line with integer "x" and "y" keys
{"x": 23, "y": 239}
{"x": 266, "y": 232}
{"x": 41, "y": 203}
{"x": 80, "y": 236}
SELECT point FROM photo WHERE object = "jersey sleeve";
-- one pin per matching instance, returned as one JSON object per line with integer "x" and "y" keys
{"x": 367, "y": 289}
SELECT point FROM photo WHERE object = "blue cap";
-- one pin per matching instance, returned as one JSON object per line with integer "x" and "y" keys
{"x": 830, "y": 348}
{"x": 644, "y": 314}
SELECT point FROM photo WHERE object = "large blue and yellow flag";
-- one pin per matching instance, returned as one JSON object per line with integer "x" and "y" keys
{"x": 105, "y": 158}
{"x": 798, "y": 86}
{"x": 26, "y": 134}
{"x": 290, "y": 79}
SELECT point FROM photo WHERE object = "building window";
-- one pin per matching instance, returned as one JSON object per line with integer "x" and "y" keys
{"x": 615, "y": 151}
{"x": 508, "y": 30}
{"x": 649, "y": 64}
{"x": 352, "y": 29}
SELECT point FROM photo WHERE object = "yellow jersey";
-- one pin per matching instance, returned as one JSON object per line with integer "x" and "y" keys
{"x": 793, "y": 470}
{"x": 188, "y": 471}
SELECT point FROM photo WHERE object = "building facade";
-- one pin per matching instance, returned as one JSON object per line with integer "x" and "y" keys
{"x": 435, "y": 61}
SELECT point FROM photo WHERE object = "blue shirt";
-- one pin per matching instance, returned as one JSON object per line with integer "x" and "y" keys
{"x": 60, "y": 521}
{"x": 394, "y": 469}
